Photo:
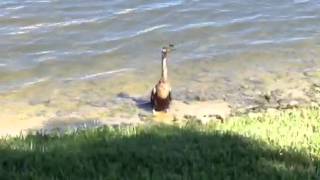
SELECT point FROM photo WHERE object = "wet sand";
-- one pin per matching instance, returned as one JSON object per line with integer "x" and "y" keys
{"x": 204, "y": 93}
{"x": 95, "y": 63}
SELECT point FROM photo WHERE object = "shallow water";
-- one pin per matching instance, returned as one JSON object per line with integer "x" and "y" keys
{"x": 95, "y": 49}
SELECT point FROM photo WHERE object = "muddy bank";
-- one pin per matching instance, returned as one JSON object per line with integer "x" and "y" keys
{"x": 208, "y": 92}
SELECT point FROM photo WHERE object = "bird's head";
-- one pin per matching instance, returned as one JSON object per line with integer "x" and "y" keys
{"x": 165, "y": 50}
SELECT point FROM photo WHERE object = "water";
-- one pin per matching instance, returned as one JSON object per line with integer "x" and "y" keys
{"x": 91, "y": 49}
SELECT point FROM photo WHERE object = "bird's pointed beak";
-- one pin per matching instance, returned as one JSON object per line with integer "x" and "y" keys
{"x": 171, "y": 47}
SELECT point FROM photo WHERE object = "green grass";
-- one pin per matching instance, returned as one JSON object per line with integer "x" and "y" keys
{"x": 282, "y": 146}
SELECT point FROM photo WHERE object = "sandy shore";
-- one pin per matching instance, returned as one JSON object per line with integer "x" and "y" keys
{"x": 208, "y": 96}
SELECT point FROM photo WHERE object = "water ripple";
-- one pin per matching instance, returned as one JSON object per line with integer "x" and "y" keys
{"x": 125, "y": 11}
{"x": 128, "y": 35}
{"x": 218, "y": 24}
{"x": 15, "y": 8}
{"x": 151, "y": 29}
{"x": 96, "y": 75}
{"x": 30, "y": 83}
{"x": 149, "y": 7}
{"x": 27, "y": 29}
{"x": 300, "y": 1}
{"x": 33, "y": 32}
{"x": 14, "y": 87}
{"x": 247, "y": 18}
{"x": 279, "y": 41}
{"x": 43, "y": 52}
{"x": 195, "y": 25}
{"x": 91, "y": 76}
{"x": 155, "y": 6}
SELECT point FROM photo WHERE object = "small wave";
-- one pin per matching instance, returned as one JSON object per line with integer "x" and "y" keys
{"x": 247, "y": 18}
{"x": 106, "y": 51}
{"x": 125, "y": 11}
{"x": 133, "y": 34}
{"x": 287, "y": 18}
{"x": 211, "y": 23}
{"x": 15, "y": 87}
{"x": 109, "y": 50}
{"x": 224, "y": 10}
{"x": 18, "y": 32}
{"x": 43, "y": 52}
{"x": 29, "y": 28}
{"x": 304, "y": 17}
{"x": 91, "y": 76}
{"x": 300, "y": 1}
{"x": 32, "y": 27}
{"x": 46, "y": 58}
{"x": 155, "y": 6}
{"x": 195, "y": 25}
{"x": 192, "y": 9}
{"x": 261, "y": 42}
{"x": 41, "y": 1}
{"x": 81, "y": 53}
{"x": 2, "y": 65}
{"x": 258, "y": 42}
{"x": 148, "y": 7}
{"x": 74, "y": 22}
{"x": 30, "y": 83}
{"x": 15, "y": 8}
{"x": 151, "y": 29}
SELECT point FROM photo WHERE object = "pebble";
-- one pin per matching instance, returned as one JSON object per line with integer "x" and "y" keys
{"x": 272, "y": 111}
{"x": 314, "y": 104}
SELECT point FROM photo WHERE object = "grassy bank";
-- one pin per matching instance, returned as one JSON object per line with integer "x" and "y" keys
{"x": 271, "y": 146}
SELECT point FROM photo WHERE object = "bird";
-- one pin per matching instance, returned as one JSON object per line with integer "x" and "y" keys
{"x": 161, "y": 93}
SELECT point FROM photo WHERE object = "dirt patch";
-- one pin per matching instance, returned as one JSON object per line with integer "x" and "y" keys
{"x": 205, "y": 99}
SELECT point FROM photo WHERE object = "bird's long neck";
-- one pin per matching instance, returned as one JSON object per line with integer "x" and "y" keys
{"x": 164, "y": 74}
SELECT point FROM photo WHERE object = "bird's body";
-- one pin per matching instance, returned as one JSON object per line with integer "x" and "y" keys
{"x": 161, "y": 93}
{"x": 161, "y": 96}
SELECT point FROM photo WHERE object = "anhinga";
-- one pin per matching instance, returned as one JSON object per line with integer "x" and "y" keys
{"x": 161, "y": 93}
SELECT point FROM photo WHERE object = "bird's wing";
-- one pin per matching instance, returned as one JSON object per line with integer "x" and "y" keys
{"x": 169, "y": 96}
{"x": 153, "y": 93}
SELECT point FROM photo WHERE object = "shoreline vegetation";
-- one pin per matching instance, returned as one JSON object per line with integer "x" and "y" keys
{"x": 283, "y": 145}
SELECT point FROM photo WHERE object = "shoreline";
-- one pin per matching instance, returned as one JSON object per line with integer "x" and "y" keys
{"x": 212, "y": 100}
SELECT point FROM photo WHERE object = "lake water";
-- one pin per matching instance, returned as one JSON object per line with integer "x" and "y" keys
{"x": 94, "y": 49}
